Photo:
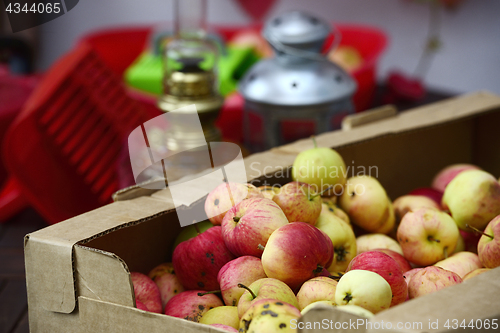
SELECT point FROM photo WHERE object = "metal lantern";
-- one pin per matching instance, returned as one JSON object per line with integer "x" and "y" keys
{"x": 299, "y": 83}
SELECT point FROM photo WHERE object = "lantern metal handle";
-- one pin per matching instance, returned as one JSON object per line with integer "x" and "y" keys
{"x": 304, "y": 53}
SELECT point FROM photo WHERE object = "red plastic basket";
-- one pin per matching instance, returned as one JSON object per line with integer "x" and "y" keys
{"x": 63, "y": 148}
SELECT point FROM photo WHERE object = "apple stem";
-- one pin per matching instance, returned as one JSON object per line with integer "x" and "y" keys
{"x": 318, "y": 269}
{"x": 432, "y": 239}
{"x": 445, "y": 251}
{"x": 320, "y": 193}
{"x": 314, "y": 141}
{"x": 209, "y": 292}
{"x": 249, "y": 290}
{"x": 260, "y": 247}
{"x": 479, "y": 231}
{"x": 197, "y": 229}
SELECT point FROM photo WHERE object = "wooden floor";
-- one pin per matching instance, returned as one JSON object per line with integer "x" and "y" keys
{"x": 13, "y": 301}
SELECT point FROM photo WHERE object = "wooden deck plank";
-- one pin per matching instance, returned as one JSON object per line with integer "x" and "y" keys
{"x": 23, "y": 324}
{"x": 13, "y": 304}
{"x": 11, "y": 263}
{"x": 12, "y": 233}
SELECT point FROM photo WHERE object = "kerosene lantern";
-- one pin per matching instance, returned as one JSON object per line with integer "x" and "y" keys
{"x": 298, "y": 84}
{"x": 190, "y": 77}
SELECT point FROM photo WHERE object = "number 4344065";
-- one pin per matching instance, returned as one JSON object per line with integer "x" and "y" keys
{"x": 473, "y": 324}
{"x": 34, "y": 8}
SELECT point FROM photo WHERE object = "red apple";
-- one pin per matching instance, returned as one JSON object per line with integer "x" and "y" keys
{"x": 190, "y": 306}
{"x": 141, "y": 306}
{"x": 198, "y": 260}
{"x": 299, "y": 202}
{"x": 403, "y": 263}
{"x": 446, "y": 175}
{"x": 382, "y": 264}
{"x": 249, "y": 224}
{"x": 429, "y": 193}
{"x": 244, "y": 270}
{"x": 225, "y": 196}
{"x": 431, "y": 279}
{"x": 225, "y": 327}
{"x": 165, "y": 278}
{"x": 297, "y": 252}
{"x": 408, "y": 275}
{"x": 146, "y": 292}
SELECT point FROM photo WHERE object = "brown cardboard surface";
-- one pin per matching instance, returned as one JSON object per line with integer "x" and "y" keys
{"x": 88, "y": 257}
{"x": 99, "y": 316}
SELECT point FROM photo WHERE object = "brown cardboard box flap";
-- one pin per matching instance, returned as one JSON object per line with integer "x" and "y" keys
{"x": 99, "y": 316}
{"x": 51, "y": 248}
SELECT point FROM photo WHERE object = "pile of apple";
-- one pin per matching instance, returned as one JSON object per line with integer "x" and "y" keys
{"x": 270, "y": 254}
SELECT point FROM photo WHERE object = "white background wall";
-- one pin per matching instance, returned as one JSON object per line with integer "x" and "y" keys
{"x": 468, "y": 61}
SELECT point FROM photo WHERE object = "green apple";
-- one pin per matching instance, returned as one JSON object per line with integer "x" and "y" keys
{"x": 367, "y": 204}
{"x": 190, "y": 231}
{"x": 321, "y": 167}
{"x": 265, "y": 288}
{"x": 224, "y": 315}
{"x": 321, "y": 288}
{"x": 269, "y": 316}
{"x": 366, "y": 289}
{"x": 427, "y": 236}
{"x": 357, "y": 310}
{"x": 318, "y": 304}
{"x": 343, "y": 240}
{"x": 473, "y": 199}
{"x": 488, "y": 247}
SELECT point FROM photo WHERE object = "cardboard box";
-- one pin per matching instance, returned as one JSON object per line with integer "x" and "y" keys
{"x": 77, "y": 271}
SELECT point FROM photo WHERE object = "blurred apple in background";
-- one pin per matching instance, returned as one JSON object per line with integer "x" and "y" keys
{"x": 382, "y": 264}
{"x": 431, "y": 279}
{"x": 320, "y": 167}
{"x": 367, "y": 204}
{"x": 245, "y": 270}
{"x": 377, "y": 241}
{"x": 297, "y": 252}
{"x": 461, "y": 263}
{"x": 250, "y": 223}
{"x": 430, "y": 193}
{"x": 300, "y": 202}
{"x": 225, "y": 196}
{"x": 364, "y": 288}
{"x": 408, "y": 203}
{"x": 489, "y": 244}
{"x": 190, "y": 306}
{"x": 427, "y": 236}
{"x": 343, "y": 240}
{"x": 346, "y": 57}
{"x": 476, "y": 272}
{"x": 165, "y": 278}
{"x": 446, "y": 175}
{"x": 473, "y": 199}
